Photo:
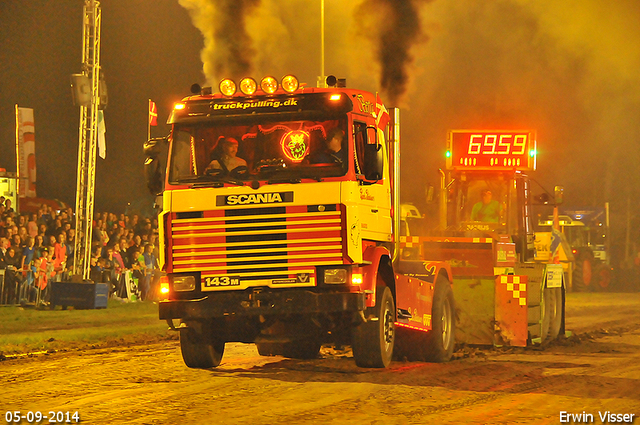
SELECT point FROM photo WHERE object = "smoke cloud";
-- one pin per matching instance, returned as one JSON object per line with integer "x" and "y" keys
{"x": 395, "y": 28}
{"x": 566, "y": 69}
{"x": 228, "y": 47}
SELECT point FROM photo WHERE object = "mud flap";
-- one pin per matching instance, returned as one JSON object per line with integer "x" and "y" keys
{"x": 475, "y": 304}
{"x": 511, "y": 310}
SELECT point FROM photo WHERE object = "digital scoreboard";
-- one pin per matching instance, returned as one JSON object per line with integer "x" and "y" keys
{"x": 491, "y": 150}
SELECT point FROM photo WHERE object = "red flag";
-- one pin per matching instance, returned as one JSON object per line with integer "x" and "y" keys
{"x": 382, "y": 115}
{"x": 153, "y": 113}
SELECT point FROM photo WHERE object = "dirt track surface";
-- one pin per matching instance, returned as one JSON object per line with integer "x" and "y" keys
{"x": 596, "y": 370}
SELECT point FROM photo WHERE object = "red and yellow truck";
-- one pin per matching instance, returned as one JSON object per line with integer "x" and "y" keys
{"x": 281, "y": 226}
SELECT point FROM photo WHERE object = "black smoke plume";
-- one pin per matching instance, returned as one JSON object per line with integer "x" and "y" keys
{"x": 228, "y": 47}
{"x": 394, "y": 26}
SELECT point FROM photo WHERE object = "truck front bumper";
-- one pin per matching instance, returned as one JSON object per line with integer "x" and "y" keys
{"x": 262, "y": 302}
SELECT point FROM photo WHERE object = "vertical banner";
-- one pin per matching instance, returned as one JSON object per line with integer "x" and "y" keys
{"x": 102, "y": 143}
{"x": 26, "y": 152}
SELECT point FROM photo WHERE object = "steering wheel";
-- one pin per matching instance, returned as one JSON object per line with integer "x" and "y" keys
{"x": 239, "y": 171}
{"x": 213, "y": 172}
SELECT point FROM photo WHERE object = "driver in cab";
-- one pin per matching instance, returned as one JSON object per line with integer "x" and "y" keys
{"x": 487, "y": 210}
{"x": 226, "y": 160}
{"x": 334, "y": 152}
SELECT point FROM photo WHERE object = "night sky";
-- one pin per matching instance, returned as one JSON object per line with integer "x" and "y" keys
{"x": 569, "y": 69}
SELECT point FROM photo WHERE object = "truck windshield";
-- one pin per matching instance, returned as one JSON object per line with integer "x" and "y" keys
{"x": 244, "y": 150}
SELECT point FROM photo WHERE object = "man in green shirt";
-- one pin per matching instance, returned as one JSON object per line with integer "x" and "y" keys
{"x": 487, "y": 210}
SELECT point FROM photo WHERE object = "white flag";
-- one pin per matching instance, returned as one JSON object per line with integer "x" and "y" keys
{"x": 26, "y": 152}
{"x": 102, "y": 144}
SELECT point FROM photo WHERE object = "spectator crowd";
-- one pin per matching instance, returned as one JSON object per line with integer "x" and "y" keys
{"x": 38, "y": 248}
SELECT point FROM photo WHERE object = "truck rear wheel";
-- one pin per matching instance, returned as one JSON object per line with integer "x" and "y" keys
{"x": 582, "y": 274}
{"x": 373, "y": 341}
{"x": 601, "y": 277}
{"x": 552, "y": 320}
{"x": 199, "y": 350}
{"x": 441, "y": 338}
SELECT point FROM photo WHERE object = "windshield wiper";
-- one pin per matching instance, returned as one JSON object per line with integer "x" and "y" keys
{"x": 210, "y": 181}
{"x": 279, "y": 181}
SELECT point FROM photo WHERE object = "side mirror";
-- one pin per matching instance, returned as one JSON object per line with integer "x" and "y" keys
{"x": 152, "y": 165}
{"x": 543, "y": 198}
{"x": 558, "y": 193}
{"x": 373, "y": 156}
{"x": 373, "y": 162}
{"x": 430, "y": 194}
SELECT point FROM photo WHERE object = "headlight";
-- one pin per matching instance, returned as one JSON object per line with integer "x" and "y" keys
{"x": 289, "y": 83}
{"x": 227, "y": 87}
{"x": 335, "y": 276}
{"x": 184, "y": 283}
{"x": 248, "y": 86}
{"x": 269, "y": 85}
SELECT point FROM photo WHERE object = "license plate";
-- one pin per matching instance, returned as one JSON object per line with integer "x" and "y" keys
{"x": 217, "y": 281}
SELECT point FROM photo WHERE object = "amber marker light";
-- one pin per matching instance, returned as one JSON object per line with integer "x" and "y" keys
{"x": 179, "y": 106}
{"x": 269, "y": 85}
{"x": 290, "y": 83}
{"x": 227, "y": 87}
{"x": 248, "y": 86}
{"x": 335, "y": 97}
{"x": 356, "y": 279}
{"x": 164, "y": 287}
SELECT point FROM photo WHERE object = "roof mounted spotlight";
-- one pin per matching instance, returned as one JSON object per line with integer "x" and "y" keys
{"x": 248, "y": 86}
{"x": 331, "y": 81}
{"x": 290, "y": 83}
{"x": 195, "y": 88}
{"x": 227, "y": 87}
{"x": 269, "y": 85}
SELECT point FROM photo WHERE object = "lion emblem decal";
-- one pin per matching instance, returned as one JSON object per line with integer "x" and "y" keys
{"x": 295, "y": 145}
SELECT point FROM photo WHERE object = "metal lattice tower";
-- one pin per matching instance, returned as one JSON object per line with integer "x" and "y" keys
{"x": 88, "y": 140}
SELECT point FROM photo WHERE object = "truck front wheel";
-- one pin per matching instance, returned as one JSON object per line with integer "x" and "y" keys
{"x": 199, "y": 349}
{"x": 373, "y": 341}
{"x": 441, "y": 338}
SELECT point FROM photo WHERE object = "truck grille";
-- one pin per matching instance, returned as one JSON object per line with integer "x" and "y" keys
{"x": 274, "y": 246}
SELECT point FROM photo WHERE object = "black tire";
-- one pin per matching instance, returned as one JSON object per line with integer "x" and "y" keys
{"x": 373, "y": 341}
{"x": 441, "y": 339}
{"x": 583, "y": 274}
{"x": 601, "y": 277}
{"x": 200, "y": 351}
{"x": 552, "y": 320}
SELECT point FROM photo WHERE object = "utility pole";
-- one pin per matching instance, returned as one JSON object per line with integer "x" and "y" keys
{"x": 321, "y": 78}
{"x": 88, "y": 139}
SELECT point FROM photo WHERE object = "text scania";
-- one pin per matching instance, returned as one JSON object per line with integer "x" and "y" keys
{"x": 261, "y": 104}
{"x": 255, "y": 198}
